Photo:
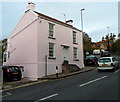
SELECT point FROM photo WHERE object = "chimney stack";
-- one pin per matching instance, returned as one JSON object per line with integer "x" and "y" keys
{"x": 30, "y": 6}
{"x": 70, "y": 22}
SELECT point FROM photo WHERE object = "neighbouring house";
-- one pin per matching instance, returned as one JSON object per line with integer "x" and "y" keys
{"x": 94, "y": 45}
{"x": 41, "y": 43}
{"x": 99, "y": 45}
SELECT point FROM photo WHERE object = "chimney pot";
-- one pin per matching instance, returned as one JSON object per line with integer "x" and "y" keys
{"x": 30, "y": 6}
{"x": 70, "y": 22}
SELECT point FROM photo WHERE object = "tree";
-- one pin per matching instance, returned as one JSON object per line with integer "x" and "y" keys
{"x": 109, "y": 40}
{"x": 87, "y": 44}
{"x": 112, "y": 38}
{"x": 115, "y": 48}
{"x": 119, "y": 36}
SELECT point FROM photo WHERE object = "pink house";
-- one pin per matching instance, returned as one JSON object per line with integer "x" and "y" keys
{"x": 40, "y": 43}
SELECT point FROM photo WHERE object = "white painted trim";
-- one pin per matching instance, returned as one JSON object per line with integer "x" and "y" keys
{"x": 34, "y": 13}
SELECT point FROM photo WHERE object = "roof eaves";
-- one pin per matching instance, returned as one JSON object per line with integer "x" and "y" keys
{"x": 55, "y": 20}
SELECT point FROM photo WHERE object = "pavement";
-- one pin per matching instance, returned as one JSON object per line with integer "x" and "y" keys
{"x": 63, "y": 75}
{"x": 23, "y": 82}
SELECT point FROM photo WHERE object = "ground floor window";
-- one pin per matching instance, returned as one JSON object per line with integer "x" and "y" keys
{"x": 51, "y": 49}
{"x": 6, "y": 55}
{"x": 75, "y": 53}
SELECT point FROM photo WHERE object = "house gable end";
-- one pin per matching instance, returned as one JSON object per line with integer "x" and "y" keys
{"x": 28, "y": 18}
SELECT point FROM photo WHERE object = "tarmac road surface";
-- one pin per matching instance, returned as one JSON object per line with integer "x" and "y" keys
{"x": 91, "y": 85}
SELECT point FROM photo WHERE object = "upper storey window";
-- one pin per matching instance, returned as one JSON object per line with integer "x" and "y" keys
{"x": 51, "y": 30}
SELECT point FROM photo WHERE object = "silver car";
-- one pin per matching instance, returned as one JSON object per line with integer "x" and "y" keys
{"x": 105, "y": 63}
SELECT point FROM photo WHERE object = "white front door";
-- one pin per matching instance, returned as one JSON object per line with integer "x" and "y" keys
{"x": 65, "y": 54}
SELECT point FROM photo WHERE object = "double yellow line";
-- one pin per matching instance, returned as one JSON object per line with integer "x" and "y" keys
{"x": 23, "y": 85}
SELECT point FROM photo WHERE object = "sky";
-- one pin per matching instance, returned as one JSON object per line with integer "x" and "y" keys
{"x": 97, "y": 16}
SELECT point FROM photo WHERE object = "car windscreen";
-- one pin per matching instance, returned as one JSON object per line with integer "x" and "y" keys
{"x": 90, "y": 57}
{"x": 106, "y": 52}
{"x": 105, "y": 60}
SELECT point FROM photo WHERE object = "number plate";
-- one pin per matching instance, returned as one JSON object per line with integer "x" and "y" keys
{"x": 104, "y": 64}
{"x": 15, "y": 73}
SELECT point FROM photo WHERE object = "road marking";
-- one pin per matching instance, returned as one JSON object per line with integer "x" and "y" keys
{"x": 117, "y": 71}
{"x": 92, "y": 81}
{"x": 46, "y": 97}
{"x": 23, "y": 85}
{"x": 7, "y": 94}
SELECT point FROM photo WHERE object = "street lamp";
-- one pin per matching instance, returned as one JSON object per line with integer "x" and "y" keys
{"x": 108, "y": 39}
{"x": 82, "y": 32}
{"x": 82, "y": 19}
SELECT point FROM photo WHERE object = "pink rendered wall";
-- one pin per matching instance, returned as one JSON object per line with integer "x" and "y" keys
{"x": 30, "y": 45}
{"x": 26, "y": 19}
{"x": 23, "y": 46}
{"x": 63, "y": 36}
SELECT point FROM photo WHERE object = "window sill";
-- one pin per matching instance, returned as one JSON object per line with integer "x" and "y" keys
{"x": 76, "y": 59}
{"x": 75, "y": 43}
{"x": 51, "y": 58}
{"x": 52, "y": 37}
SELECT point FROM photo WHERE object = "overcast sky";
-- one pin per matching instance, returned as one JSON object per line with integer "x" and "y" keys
{"x": 96, "y": 17}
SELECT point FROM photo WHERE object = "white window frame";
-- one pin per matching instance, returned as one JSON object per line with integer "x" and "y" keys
{"x": 74, "y": 37}
{"x": 51, "y": 30}
{"x": 52, "y": 50}
{"x": 75, "y": 53}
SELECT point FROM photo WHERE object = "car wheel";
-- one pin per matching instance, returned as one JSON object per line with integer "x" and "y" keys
{"x": 19, "y": 78}
{"x": 99, "y": 70}
{"x": 118, "y": 66}
{"x": 4, "y": 79}
{"x": 114, "y": 69}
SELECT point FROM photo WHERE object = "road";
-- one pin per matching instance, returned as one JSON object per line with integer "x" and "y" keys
{"x": 1, "y": 83}
{"x": 91, "y": 85}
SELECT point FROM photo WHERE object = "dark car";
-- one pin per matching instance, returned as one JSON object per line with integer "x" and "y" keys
{"x": 90, "y": 60}
{"x": 11, "y": 72}
{"x": 105, "y": 54}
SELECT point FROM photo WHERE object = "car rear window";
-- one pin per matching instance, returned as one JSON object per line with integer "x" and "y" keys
{"x": 105, "y": 60}
{"x": 12, "y": 69}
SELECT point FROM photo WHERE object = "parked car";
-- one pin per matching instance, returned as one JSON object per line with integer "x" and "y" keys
{"x": 11, "y": 72}
{"x": 105, "y": 54}
{"x": 90, "y": 60}
{"x": 96, "y": 52}
{"x": 106, "y": 63}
